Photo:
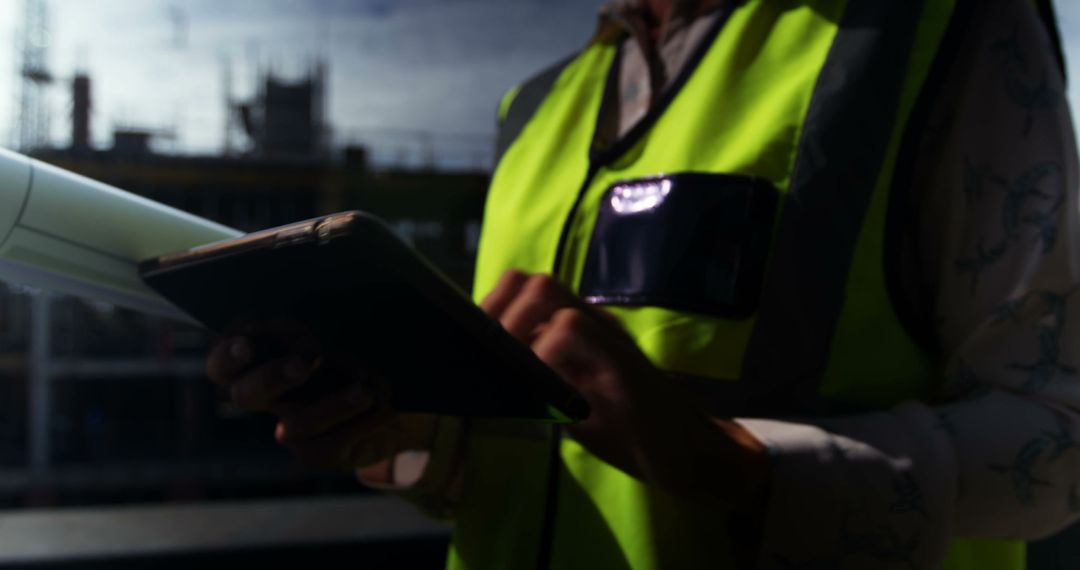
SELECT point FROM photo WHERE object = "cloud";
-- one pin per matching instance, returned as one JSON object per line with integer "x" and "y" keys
{"x": 375, "y": 9}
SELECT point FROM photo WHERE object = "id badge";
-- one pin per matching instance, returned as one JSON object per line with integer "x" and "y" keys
{"x": 693, "y": 242}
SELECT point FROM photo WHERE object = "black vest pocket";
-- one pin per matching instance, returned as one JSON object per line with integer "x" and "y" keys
{"x": 693, "y": 242}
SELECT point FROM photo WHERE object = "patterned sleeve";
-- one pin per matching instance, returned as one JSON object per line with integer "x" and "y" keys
{"x": 997, "y": 230}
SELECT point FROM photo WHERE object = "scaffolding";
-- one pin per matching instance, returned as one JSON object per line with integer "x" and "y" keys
{"x": 34, "y": 77}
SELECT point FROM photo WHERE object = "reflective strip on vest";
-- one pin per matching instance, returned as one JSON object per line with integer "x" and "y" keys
{"x": 847, "y": 131}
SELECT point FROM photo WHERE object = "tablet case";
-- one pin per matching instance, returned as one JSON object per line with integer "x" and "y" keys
{"x": 360, "y": 288}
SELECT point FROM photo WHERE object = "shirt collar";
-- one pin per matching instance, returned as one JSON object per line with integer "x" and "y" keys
{"x": 619, "y": 18}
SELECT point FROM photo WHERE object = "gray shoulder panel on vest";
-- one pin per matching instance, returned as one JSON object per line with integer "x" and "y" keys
{"x": 528, "y": 99}
{"x": 845, "y": 137}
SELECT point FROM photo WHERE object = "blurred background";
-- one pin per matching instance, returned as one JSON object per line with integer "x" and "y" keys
{"x": 114, "y": 448}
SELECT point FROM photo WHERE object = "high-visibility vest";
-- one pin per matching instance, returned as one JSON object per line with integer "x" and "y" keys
{"x": 791, "y": 307}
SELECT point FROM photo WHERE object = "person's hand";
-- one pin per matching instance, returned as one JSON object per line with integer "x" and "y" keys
{"x": 331, "y": 409}
{"x": 640, "y": 422}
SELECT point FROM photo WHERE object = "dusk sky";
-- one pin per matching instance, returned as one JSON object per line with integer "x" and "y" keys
{"x": 396, "y": 67}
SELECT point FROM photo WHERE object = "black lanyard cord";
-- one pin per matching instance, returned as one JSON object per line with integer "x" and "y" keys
{"x": 551, "y": 501}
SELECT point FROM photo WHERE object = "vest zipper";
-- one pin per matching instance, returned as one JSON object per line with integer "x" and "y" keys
{"x": 564, "y": 236}
{"x": 551, "y": 492}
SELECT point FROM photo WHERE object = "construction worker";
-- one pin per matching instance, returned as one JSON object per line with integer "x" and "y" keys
{"x": 813, "y": 265}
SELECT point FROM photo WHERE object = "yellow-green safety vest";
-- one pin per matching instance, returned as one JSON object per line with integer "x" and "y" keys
{"x": 815, "y": 102}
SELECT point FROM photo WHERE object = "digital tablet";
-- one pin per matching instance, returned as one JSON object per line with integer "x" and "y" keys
{"x": 360, "y": 288}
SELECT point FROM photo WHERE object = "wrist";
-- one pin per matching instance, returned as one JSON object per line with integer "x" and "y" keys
{"x": 717, "y": 462}
{"x": 752, "y": 468}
